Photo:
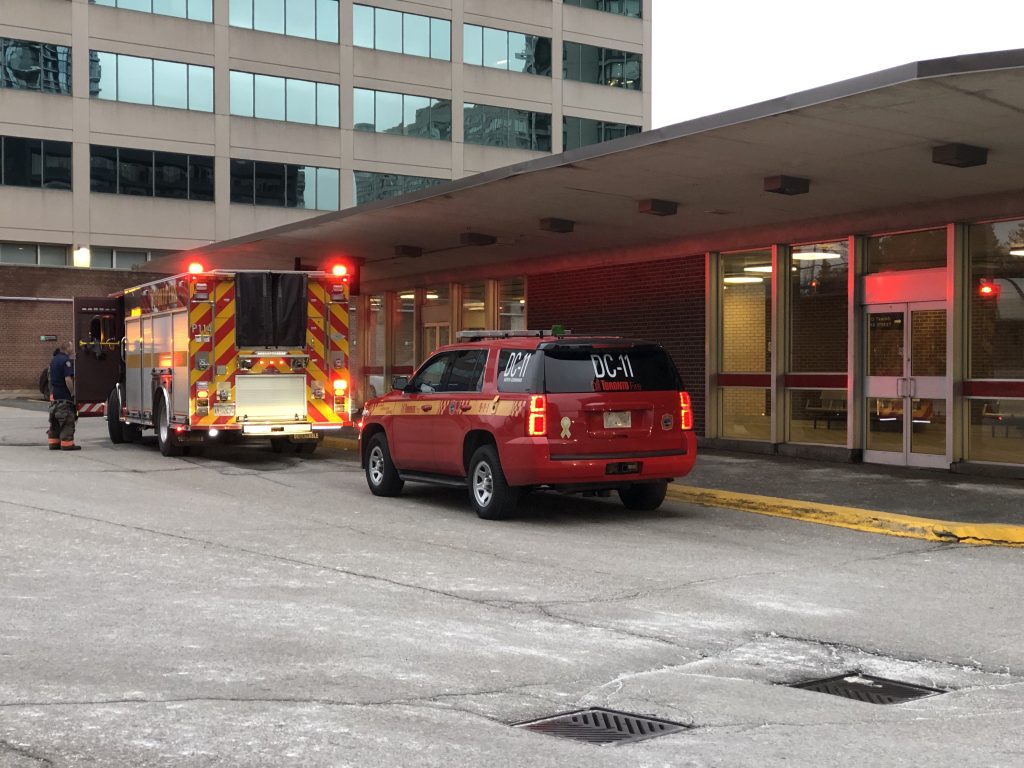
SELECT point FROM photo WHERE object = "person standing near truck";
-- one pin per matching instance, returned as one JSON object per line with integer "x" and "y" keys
{"x": 63, "y": 415}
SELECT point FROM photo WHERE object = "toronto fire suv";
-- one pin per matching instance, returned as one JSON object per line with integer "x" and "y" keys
{"x": 505, "y": 412}
{"x": 250, "y": 353}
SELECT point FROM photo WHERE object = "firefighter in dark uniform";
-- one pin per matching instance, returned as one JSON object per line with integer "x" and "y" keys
{"x": 63, "y": 414}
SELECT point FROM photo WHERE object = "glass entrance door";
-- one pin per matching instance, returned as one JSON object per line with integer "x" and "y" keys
{"x": 905, "y": 387}
{"x": 434, "y": 335}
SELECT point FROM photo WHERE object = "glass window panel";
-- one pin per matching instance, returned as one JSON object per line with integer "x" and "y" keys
{"x": 135, "y": 172}
{"x": 170, "y": 175}
{"x": 928, "y": 426}
{"x": 328, "y": 189}
{"x": 571, "y": 65}
{"x": 402, "y": 353}
{"x": 996, "y": 431}
{"x": 136, "y": 5}
{"x": 885, "y": 343}
{"x": 472, "y": 44}
{"x": 101, "y": 258}
{"x": 362, "y": 26}
{"x": 538, "y": 55}
{"x": 240, "y": 13}
{"x": 928, "y": 342}
{"x": 996, "y": 299}
{"x": 200, "y": 182}
{"x": 389, "y": 112}
{"x": 817, "y": 416}
{"x": 268, "y": 101}
{"x": 474, "y": 307}
{"x": 440, "y": 119}
{"x": 745, "y": 312}
{"x": 327, "y": 20}
{"x": 327, "y": 106}
{"x": 242, "y": 174}
{"x": 103, "y": 169}
{"x": 170, "y": 84}
{"x": 134, "y": 79}
{"x": 819, "y": 289}
{"x": 53, "y": 255}
{"x": 200, "y": 88}
{"x": 387, "y": 32}
{"x": 129, "y": 259}
{"x": 268, "y": 16}
{"x": 415, "y": 35}
{"x": 495, "y": 48}
{"x": 300, "y": 18}
{"x": 573, "y": 132}
{"x": 200, "y": 10}
{"x": 364, "y": 115}
{"x": 241, "y": 94}
{"x": 885, "y": 424}
{"x": 177, "y": 8}
{"x": 57, "y": 164}
{"x": 746, "y": 413}
{"x": 105, "y": 72}
{"x": 913, "y": 250}
{"x": 416, "y": 115}
{"x": 13, "y": 253}
{"x": 441, "y": 39}
{"x": 270, "y": 184}
{"x": 109, "y": 3}
{"x": 23, "y": 162}
{"x": 541, "y": 131}
{"x": 301, "y": 191}
{"x": 520, "y": 56}
{"x": 512, "y": 304}
{"x": 301, "y": 101}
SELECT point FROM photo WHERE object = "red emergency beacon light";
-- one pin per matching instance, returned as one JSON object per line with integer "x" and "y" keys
{"x": 196, "y": 268}
{"x": 340, "y": 270}
{"x": 988, "y": 290}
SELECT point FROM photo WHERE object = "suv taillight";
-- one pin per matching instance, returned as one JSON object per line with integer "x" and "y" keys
{"x": 685, "y": 410}
{"x": 537, "y": 418}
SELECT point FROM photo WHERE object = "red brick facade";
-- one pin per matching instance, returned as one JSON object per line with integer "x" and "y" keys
{"x": 662, "y": 301}
{"x": 22, "y": 354}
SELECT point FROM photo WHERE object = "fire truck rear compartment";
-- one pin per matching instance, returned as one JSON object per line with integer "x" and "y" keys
{"x": 273, "y": 398}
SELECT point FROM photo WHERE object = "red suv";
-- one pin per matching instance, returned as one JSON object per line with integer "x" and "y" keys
{"x": 508, "y": 412}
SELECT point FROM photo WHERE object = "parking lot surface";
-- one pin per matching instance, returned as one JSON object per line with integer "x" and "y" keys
{"x": 246, "y": 608}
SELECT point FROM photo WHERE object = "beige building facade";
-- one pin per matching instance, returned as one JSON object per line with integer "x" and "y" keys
{"x": 132, "y": 128}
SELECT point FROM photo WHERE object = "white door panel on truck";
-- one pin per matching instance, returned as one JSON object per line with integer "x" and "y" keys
{"x": 133, "y": 365}
{"x": 180, "y": 382}
{"x": 148, "y": 364}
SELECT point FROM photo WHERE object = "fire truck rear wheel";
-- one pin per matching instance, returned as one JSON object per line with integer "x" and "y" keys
{"x": 115, "y": 428}
{"x": 381, "y": 474}
{"x": 166, "y": 439}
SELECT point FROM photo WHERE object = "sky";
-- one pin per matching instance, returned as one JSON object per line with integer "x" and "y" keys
{"x": 714, "y": 55}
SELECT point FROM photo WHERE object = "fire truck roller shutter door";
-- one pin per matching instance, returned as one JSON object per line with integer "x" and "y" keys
{"x": 290, "y": 309}
{"x": 253, "y": 310}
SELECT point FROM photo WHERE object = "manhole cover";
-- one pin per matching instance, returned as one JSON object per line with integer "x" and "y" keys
{"x": 868, "y": 688}
{"x": 602, "y": 726}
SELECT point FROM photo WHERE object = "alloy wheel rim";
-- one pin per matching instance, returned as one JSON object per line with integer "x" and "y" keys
{"x": 164, "y": 426}
{"x": 483, "y": 484}
{"x": 376, "y": 465}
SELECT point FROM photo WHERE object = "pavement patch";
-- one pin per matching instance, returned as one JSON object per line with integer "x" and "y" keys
{"x": 867, "y": 520}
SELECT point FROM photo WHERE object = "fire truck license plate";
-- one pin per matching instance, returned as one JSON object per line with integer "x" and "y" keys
{"x": 617, "y": 419}
{"x": 226, "y": 409}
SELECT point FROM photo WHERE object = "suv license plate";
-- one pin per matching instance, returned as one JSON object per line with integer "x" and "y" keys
{"x": 617, "y": 419}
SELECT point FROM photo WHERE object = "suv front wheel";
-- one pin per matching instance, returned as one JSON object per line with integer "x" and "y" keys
{"x": 489, "y": 493}
{"x": 644, "y": 497}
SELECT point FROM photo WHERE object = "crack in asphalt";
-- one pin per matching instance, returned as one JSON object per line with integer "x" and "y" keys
{"x": 23, "y": 752}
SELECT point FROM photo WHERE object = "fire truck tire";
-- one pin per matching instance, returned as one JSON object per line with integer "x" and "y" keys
{"x": 165, "y": 437}
{"x": 280, "y": 444}
{"x": 489, "y": 493}
{"x": 115, "y": 427}
{"x": 306, "y": 447}
{"x": 381, "y": 474}
{"x": 644, "y": 497}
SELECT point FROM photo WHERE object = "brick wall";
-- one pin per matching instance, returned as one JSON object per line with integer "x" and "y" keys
{"x": 22, "y": 355}
{"x": 661, "y": 301}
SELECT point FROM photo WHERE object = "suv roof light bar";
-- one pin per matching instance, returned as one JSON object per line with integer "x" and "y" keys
{"x": 480, "y": 335}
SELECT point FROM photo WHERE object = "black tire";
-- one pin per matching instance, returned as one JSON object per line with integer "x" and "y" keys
{"x": 306, "y": 447}
{"x": 644, "y": 497}
{"x": 280, "y": 445}
{"x": 381, "y": 474}
{"x": 166, "y": 438}
{"x": 489, "y": 493}
{"x": 115, "y": 427}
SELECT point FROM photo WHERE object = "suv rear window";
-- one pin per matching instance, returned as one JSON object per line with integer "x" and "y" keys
{"x": 646, "y": 368}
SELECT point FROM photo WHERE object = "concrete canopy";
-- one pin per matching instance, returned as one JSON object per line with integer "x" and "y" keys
{"x": 865, "y": 145}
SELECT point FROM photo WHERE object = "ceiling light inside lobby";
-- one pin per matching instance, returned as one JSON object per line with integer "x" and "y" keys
{"x": 742, "y": 279}
{"x": 815, "y": 255}
{"x": 766, "y": 268}
{"x": 1017, "y": 249}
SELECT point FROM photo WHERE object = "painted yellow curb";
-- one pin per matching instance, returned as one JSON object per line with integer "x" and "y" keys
{"x": 870, "y": 521}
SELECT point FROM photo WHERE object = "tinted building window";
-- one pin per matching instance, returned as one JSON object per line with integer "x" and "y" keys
{"x": 31, "y": 66}
{"x": 507, "y": 127}
{"x": 514, "y": 51}
{"x": 313, "y": 19}
{"x": 32, "y": 254}
{"x": 137, "y": 80}
{"x": 404, "y": 114}
{"x": 408, "y": 33}
{"x": 279, "y": 98}
{"x": 277, "y": 184}
{"x": 372, "y": 186}
{"x": 604, "y": 66}
{"x": 123, "y": 171}
{"x": 581, "y": 131}
{"x": 197, "y": 10}
{"x": 633, "y": 8}
{"x": 35, "y": 163}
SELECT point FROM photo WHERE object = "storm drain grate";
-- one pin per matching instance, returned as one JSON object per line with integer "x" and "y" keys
{"x": 602, "y": 726}
{"x": 868, "y": 688}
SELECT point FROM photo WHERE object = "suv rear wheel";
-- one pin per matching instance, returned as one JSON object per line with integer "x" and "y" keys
{"x": 381, "y": 474}
{"x": 489, "y": 493}
{"x": 644, "y": 497}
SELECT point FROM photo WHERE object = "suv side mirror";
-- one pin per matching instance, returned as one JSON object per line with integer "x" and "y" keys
{"x": 399, "y": 382}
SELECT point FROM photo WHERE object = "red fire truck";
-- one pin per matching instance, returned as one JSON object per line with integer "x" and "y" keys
{"x": 260, "y": 354}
